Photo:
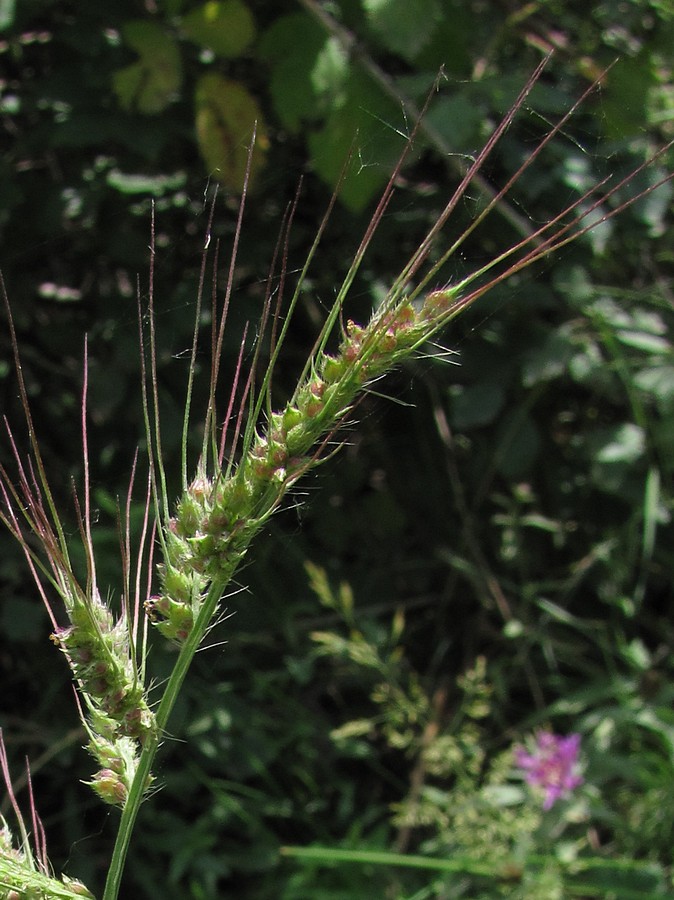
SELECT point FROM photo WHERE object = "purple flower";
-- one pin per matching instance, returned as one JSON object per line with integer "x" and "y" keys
{"x": 552, "y": 765}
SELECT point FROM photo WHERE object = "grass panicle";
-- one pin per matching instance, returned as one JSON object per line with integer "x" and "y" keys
{"x": 246, "y": 465}
{"x": 98, "y": 643}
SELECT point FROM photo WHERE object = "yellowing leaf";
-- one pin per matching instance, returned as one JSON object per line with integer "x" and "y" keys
{"x": 226, "y": 115}
{"x": 150, "y": 84}
{"x": 227, "y": 28}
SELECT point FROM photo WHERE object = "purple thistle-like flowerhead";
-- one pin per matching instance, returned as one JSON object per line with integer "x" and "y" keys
{"x": 552, "y": 766}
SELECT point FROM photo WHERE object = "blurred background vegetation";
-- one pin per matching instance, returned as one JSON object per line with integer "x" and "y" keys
{"x": 490, "y": 554}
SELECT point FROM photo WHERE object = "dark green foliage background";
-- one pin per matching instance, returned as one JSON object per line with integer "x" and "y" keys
{"x": 515, "y": 507}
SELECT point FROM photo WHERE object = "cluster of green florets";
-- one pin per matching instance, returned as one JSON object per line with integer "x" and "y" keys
{"x": 217, "y": 517}
{"x": 119, "y": 719}
{"x": 97, "y": 649}
{"x": 119, "y": 758}
{"x": 205, "y": 540}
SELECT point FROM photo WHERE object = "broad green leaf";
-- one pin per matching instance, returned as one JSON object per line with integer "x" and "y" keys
{"x": 291, "y": 48}
{"x": 149, "y": 85}
{"x": 365, "y": 132}
{"x": 459, "y": 121}
{"x": 225, "y": 117}
{"x": 402, "y": 26}
{"x": 227, "y": 28}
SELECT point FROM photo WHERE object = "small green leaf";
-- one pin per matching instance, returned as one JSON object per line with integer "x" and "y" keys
{"x": 226, "y": 115}
{"x": 149, "y": 85}
{"x": 156, "y": 185}
{"x": 502, "y": 795}
{"x": 641, "y": 340}
{"x": 401, "y": 26}
{"x": 625, "y": 443}
{"x": 227, "y": 28}
{"x": 658, "y": 381}
{"x": 549, "y": 359}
